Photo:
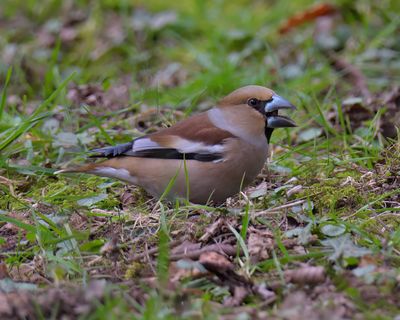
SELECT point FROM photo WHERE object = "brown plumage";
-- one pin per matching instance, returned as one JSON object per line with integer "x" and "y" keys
{"x": 195, "y": 128}
{"x": 211, "y": 156}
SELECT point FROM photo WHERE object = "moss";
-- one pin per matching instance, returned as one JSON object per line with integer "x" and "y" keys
{"x": 391, "y": 156}
{"x": 329, "y": 196}
{"x": 66, "y": 193}
{"x": 11, "y": 203}
{"x": 390, "y": 222}
{"x": 133, "y": 270}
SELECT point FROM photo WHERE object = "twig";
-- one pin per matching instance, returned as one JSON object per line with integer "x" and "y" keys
{"x": 153, "y": 251}
{"x": 146, "y": 252}
{"x": 384, "y": 215}
{"x": 195, "y": 254}
{"x": 212, "y": 230}
{"x": 277, "y": 209}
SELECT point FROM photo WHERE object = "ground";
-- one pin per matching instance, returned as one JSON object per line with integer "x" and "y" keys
{"x": 316, "y": 236}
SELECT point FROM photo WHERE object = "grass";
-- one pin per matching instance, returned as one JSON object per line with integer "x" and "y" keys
{"x": 79, "y": 75}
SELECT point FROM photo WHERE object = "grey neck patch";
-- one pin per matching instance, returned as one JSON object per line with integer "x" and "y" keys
{"x": 217, "y": 118}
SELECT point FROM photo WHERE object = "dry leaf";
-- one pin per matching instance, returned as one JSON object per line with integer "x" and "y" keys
{"x": 212, "y": 230}
{"x": 260, "y": 243}
{"x": 171, "y": 76}
{"x": 308, "y": 15}
{"x": 306, "y": 275}
{"x": 215, "y": 262}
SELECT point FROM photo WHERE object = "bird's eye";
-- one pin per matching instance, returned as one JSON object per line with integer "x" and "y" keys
{"x": 252, "y": 102}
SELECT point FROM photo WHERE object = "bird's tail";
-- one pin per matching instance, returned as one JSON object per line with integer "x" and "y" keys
{"x": 90, "y": 168}
{"x": 113, "y": 168}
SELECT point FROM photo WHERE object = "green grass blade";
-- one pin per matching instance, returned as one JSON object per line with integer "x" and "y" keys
{"x": 18, "y": 223}
{"x": 35, "y": 118}
{"x": 163, "y": 255}
{"x": 4, "y": 93}
{"x": 245, "y": 221}
{"x": 241, "y": 242}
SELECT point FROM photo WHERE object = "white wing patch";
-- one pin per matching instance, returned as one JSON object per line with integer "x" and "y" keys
{"x": 144, "y": 144}
{"x": 187, "y": 146}
{"x": 180, "y": 144}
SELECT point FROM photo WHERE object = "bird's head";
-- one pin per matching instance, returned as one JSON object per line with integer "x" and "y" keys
{"x": 263, "y": 100}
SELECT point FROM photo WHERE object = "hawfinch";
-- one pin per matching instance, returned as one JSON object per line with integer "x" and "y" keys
{"x": 205, "y": 158}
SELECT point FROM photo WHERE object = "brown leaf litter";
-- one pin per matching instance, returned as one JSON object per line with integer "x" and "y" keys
{"x": 306, "y": 275}
{"x": 67, "y": 302}
{"x": 66, "y": 30}
{"x": 320, "y": 304}
{"x": 171, "y": 76}
{"x": 114, "y": 98}
{"x": 361, "y": 105}
{"x": 239, "y": 286}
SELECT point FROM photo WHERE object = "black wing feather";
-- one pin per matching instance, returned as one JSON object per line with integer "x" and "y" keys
{"x": 112, "y": 151}
{"x": 162, "y": 153}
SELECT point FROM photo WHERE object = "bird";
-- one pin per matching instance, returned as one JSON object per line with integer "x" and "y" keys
{"x": 203, "y": 159}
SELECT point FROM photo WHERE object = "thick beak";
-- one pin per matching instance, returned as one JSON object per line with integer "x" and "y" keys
{"x": 274, "y": 120}
{"x": 277, "y": 103}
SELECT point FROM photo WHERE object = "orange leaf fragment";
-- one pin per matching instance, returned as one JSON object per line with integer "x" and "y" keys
{"x": 310, "y": 14}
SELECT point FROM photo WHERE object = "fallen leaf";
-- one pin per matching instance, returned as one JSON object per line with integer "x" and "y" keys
{"x": 239, "y": 294}
{"x": 266, "y": 295}
{"x": 51, "y": 126}
{"x": 306, "y": 275}
{"x": 215, "y": 262}
{"x": 186, "y": 268}
{"x": 344, "y": 247}
{"x": 333, "y": 230}
{"x": 212, "y": 230}
{"x": 303, "y": 233}
{"x": 171, "y": 76}
{"x": 309, "y": 134}
{"x": 88, "y": 202}
{"x": 65, "y": 139}
{"x": 259, "y": 191}
{"x": 259, "y": 244}
{"x": 307, "y": 15}
{"x": 87, "y": 94}
{"x": 298, "y": 305}
{"x": 8, "y": 285}
{"x": 364, "y": 271}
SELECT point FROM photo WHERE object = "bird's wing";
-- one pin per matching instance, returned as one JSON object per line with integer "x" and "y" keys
{"x": 195, "y": 138}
